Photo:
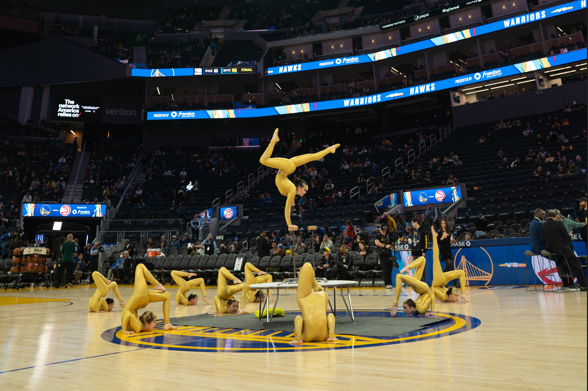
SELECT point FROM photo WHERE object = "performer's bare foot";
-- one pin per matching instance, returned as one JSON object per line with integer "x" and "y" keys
{"x": 275, "y": 138}
{"x": 394, "y": 309}
{"x": 159, "y": 288}
{"x": 236, "y": 281}
{"x": 190, "y": 275}
{"x": 216, "y": 313}
{"x": 122, "y": 304}
{"x": 108, "y": 282}
{"x": 334, "y": 147}
{"x": 296, "y": 342}
{"x": 404, "y": 270}
{"x": 206, "y": 300}
{"x": 180, "y": 305}
{"x": 435, "y": 234}
{"x": 242, "y": 312}
{"x": 332, "y": 340}
{"x": 169, "y": 326}
{"x": 129, "y": 333}
{"x": 293, "y": 228}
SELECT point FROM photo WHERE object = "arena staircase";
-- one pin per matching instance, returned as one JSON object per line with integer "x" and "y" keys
{"x": 75, "y": 184}
{"x": 140, "y": 55}
{"x": 208, "y": 58}
{"x": 224, "y": 14}
{"x": 343, "y": 4}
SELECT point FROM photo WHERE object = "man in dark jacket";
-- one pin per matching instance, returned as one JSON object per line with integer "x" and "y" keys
{"x": 583, "y": 217}
{"x": 419, "y": 243}
{"x": 537, "y": 242}
{"x": 555, "y": 236}
{"x": 262, "y": 245}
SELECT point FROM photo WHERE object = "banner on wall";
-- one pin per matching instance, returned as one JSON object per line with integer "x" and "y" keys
{"x": 63, "y": 210}
{"x": 121, "y": 110}
{"x": 495, "y": 262}
{"x": 455, "y": 82}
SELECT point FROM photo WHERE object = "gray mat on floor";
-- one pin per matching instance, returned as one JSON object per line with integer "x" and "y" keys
{"x": 370, "y": 326}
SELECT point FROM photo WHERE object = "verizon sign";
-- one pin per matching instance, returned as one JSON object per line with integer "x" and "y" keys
{"x": 120, "y": 110}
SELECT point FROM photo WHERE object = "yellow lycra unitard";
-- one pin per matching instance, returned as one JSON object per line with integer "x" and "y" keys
{"x": 141, "y": 297}
{"x": 419, "y": 265}
{"x": 97, "y": 302}
{"x": 185, "y": 286}
{"x": 441, "y": 279}
{"x": 250, "y": 279}
{"x": 314, "y": 324}
{"x": 225, "y": 292}
{"x": 426, "y": 298}
{"x": 287, "y": 167}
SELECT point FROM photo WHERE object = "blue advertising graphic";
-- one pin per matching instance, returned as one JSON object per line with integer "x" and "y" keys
{"x": 63, "y": 210}
{"x": 407, "y": 92}
{"x": 430, "y": 43}
{"x": 228, "y": 213}
{"x": 495, "y": 262}
{"x": 435, "y": 196}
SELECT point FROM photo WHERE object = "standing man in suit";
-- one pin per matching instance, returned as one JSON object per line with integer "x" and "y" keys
{"x": 262, "y": 245}
{"x": 555, "y": 236}
{"x": 537, "y": 242}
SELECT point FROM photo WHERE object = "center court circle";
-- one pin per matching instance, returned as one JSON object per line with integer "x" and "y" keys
{"x": 231, "y": 340}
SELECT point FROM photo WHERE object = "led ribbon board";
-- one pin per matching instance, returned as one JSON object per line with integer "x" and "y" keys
{"x": 63, "y": 210}
{"x": 433, "y": 42}
{"x": 460, "y": 81}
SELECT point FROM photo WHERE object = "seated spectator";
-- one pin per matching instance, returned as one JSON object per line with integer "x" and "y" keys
{"x": 324, "y": 262}
{"x": 528, "y": 130}
{"x": 174, "y": 243}
{"x": 116, "y": 267}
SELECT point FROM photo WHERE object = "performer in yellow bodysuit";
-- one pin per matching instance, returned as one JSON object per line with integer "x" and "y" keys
{"x": 421, "y": 305}
{"x": 224, "y": 293}
{"x": 419, "y": 265}
{"x": 250, "y": 279}
{"x": 185, "y": 286}
{"x": 440, "y": 279}
{"x": 314, "y": 324}
{"x": 142, "y": 296}
{"x": 97, "y": 301}
{"x": 287, "y": 167}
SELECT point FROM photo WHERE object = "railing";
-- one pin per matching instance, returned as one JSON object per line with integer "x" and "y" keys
{"x": 216, "y": 202}
{"x": 240, "y": 187}
{"x": 442, "y": 133}
{"x": 228, "y": 196}
{"x": 250, "y": 181}
{"x": 398, "y": 163}
{"x": 260, "y": 172}
{"x": 354, "y": 193}
{"x": 144, "y": 232}
{"x": 385, "y": 174}
{"x": 422, "y": 147}
{"x": 369, "y": 182}
{"x": 432, "y": 140}
{"x": 70, "y": 198}
{"x": 411, "y": 155}
{"x": 130, "y": 180}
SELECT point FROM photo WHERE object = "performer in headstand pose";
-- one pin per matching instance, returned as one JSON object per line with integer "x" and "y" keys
{"x": 185, "y": 286}
{"x": 287, "y": 167}
{"x": 225, "y": 293}
{"x": 250, "y": 279}
{"x": 314, "y": 324}
{"x": 441, "y": 279}
{"x": 97, "y": 301}
{"x": 142, "y": 296}
{"x": 421, "y": 305}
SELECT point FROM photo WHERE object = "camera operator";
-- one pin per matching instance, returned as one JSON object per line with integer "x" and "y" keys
{"x": 384, "y": 244}
{"x": 419, "y": 242}
{"x": 583, "y": 217}
{"x": 94, "y": 254}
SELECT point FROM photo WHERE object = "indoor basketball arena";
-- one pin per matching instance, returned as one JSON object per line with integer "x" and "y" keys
{"x": 191, "y": 190}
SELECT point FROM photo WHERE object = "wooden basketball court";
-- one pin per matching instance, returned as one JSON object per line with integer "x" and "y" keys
{"x": 525, "y": 341}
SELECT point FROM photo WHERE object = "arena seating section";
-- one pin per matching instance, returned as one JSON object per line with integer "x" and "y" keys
{"x": 237, "y": 51}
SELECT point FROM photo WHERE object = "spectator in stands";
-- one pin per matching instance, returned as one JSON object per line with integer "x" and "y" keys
{"x": 222, "y": 249}
{"x": 481, "y": 225}
{"x": 209, "y": 245}
{"x": 299, "y": 245}
{"x": 79, "y": 267}
{"x": 467, "y": 236}
{"x": 505, "y": 164}
{"x": 555, "y": 236}
{"x": 116, "y": 267}
{"x": 326, "y": 242}
{"x": 579, "y": 163}
{"x": 174, "y": 243}
{"x": 341, "y": 264}
{"x": 324, "y": 262}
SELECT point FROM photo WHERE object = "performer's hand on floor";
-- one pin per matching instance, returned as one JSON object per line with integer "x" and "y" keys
{"x": 122, "y": 304}
{"x": 206, "y": 300}
{"x": 129, "y": 333}
{"x": 394, "y": 310}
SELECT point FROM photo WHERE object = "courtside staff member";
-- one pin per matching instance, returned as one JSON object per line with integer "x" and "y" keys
{"x": 419, "y": 242}
{"x": 384, "y": 244}
{"x": 195, "y": 227}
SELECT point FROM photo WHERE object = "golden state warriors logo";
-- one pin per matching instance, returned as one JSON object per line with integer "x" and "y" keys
{"x": 476, "y": 263}
{"x": 158, "y": 73}
{"x": 423, "y": 197}
{"x": 45, "y": 210}
{"x": 259, "y": 340}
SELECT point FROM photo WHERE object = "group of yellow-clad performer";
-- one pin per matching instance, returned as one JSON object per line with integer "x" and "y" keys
{"x": 427, "y": 295}
{"x": 185, "y": 286}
